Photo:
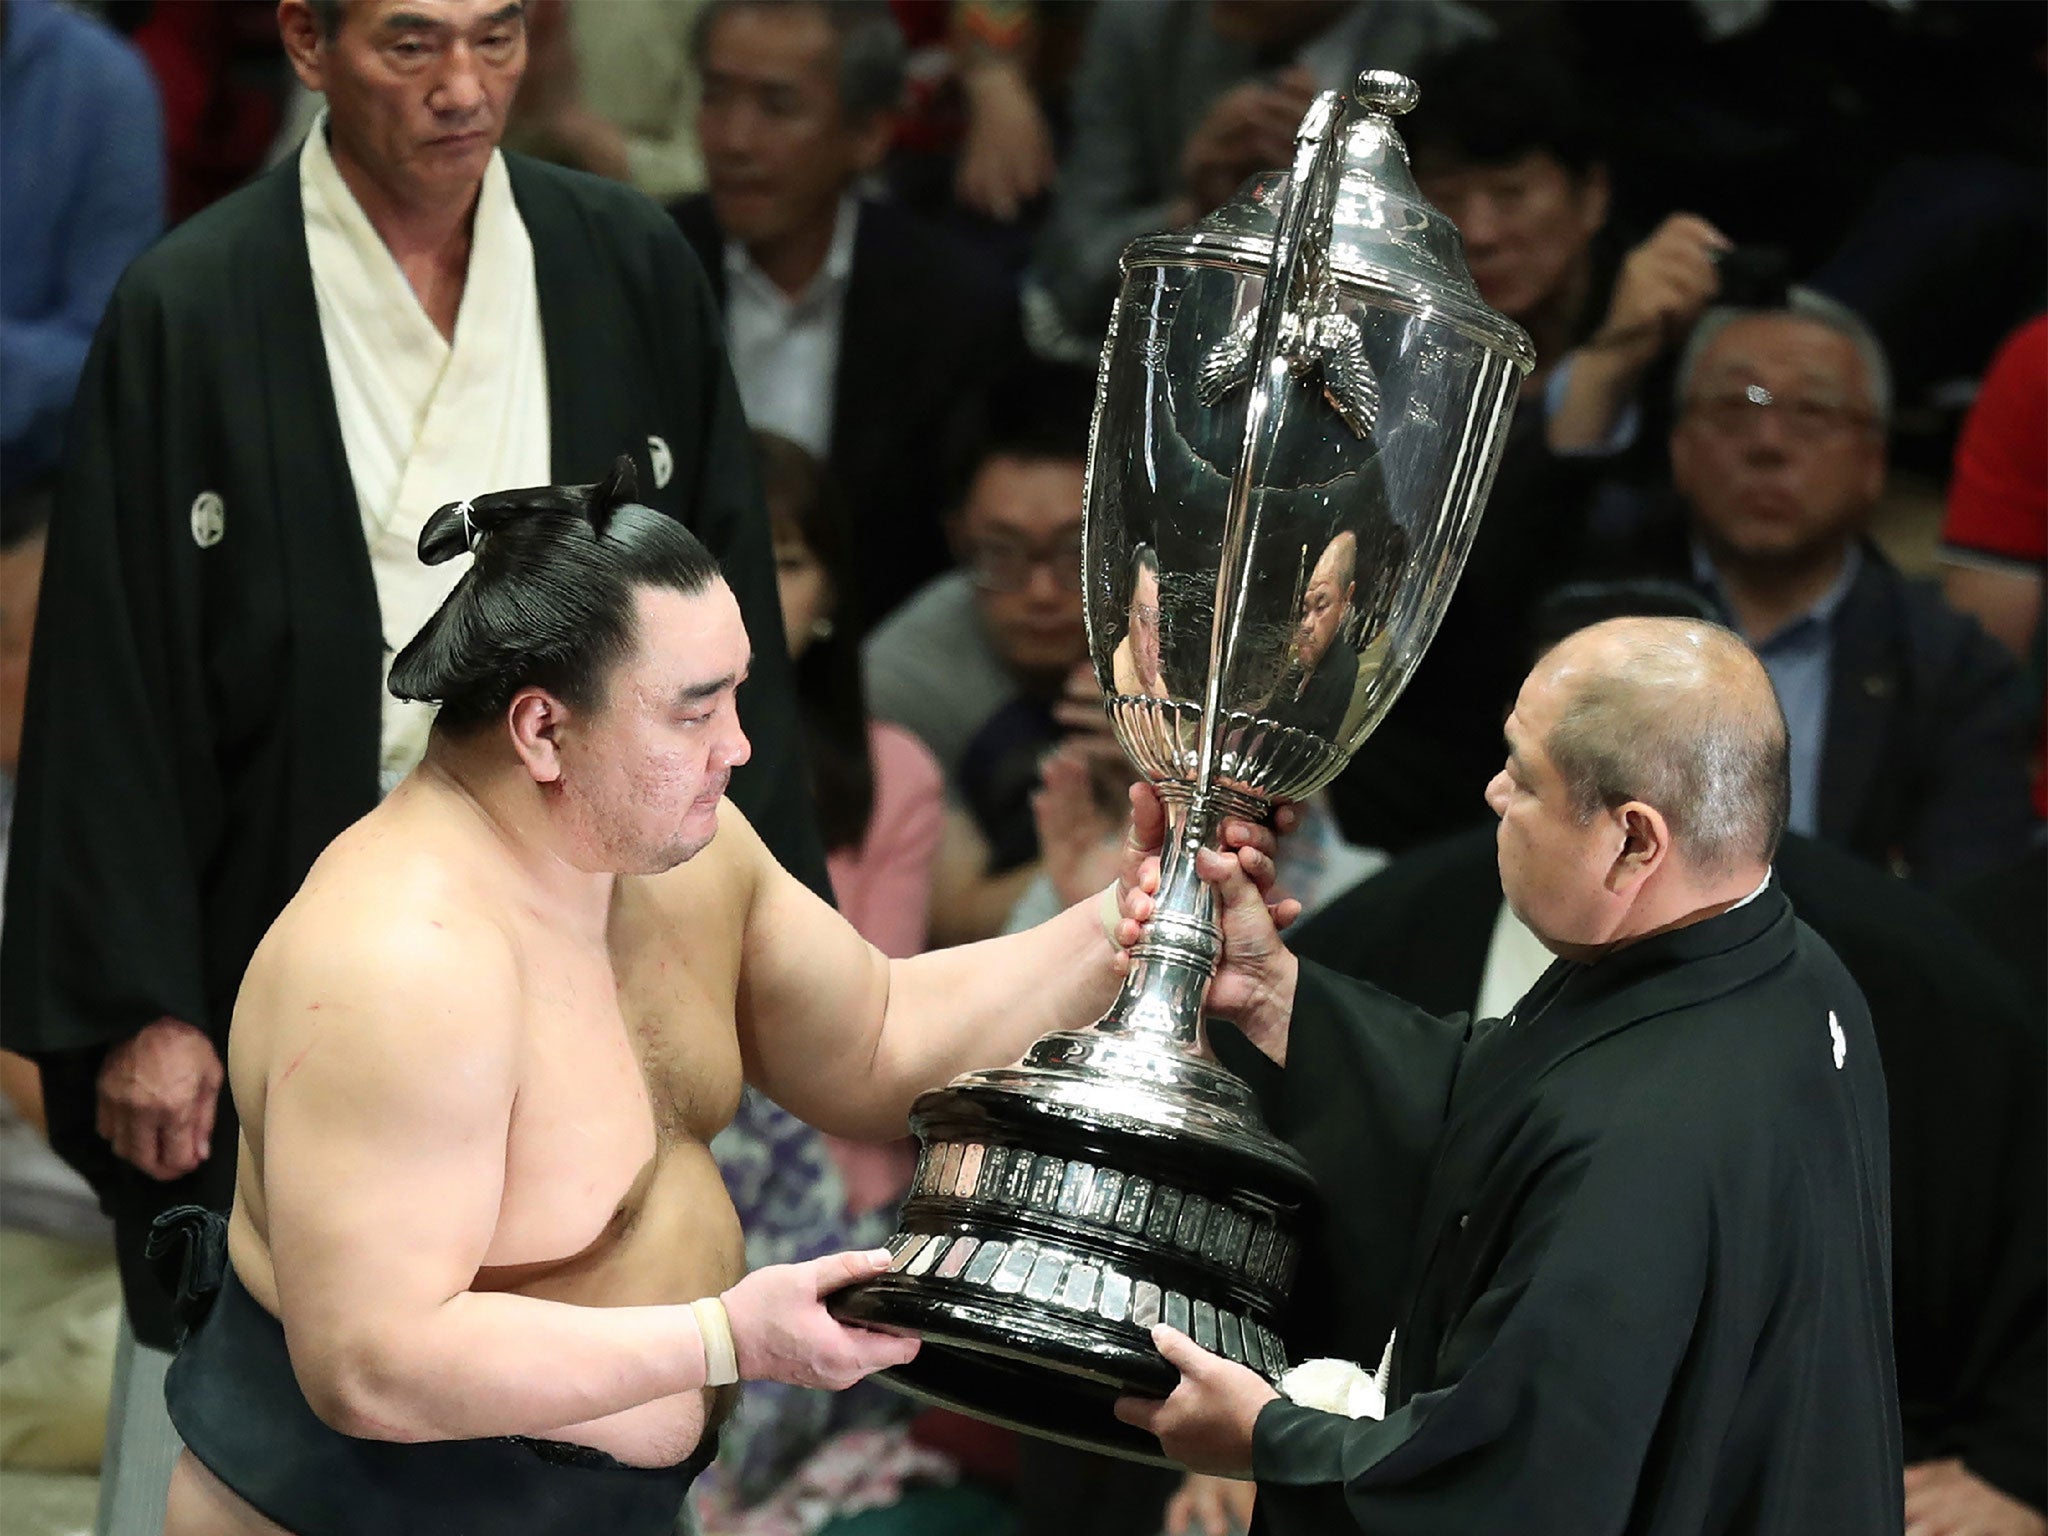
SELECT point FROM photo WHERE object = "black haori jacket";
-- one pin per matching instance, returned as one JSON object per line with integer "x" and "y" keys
{"x": 1643, "y": 1237}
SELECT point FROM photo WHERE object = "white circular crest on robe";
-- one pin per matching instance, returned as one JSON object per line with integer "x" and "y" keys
{"x": 1841, "y": 1040}
{"x": 663, "y": 462}
{"x": 209, "y": 519}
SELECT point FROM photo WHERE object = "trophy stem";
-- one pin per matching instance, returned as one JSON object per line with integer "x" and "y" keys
{"x": 1172, "y": 966}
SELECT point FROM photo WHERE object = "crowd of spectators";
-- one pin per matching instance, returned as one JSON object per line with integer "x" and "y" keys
{"x": 1783, "y": 264}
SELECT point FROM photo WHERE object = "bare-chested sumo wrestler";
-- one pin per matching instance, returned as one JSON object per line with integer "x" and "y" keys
{"x": 478, "y": 1059}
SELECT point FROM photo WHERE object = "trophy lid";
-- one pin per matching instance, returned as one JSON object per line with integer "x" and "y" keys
{"x": 1383, "y": 236}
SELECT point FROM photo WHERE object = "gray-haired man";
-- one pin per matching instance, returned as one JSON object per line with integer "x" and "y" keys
{"x": 855, "y": 330}
{"x": 1909, "y": 742}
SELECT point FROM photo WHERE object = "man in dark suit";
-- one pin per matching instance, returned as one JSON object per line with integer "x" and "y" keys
{"x": 1909, "y": 736}
{"x": 855, "y": 330}
{"x": 1963, "y": 1072}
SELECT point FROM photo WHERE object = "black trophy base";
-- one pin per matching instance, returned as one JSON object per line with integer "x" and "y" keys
{"x": 1044, "y": 1236}
{"x": 1045, "y": 1372}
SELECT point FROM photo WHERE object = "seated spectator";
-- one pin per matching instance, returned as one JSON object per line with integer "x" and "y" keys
{"x": 855, "y": 331}
{"x": 1908, "y": 736}
{"x": 1509, "y": 143}
{"x": 977, "y": 664}
{"x": 611, "y": 89}
{"x": 1964, "y": 1074}
{"x": 1176, "y": 102}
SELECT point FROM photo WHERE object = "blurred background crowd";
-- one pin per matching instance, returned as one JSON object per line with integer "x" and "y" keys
{"x": 1784, "y": 264}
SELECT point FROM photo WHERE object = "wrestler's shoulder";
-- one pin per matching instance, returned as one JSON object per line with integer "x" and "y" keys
{"x": 389, "y": 905}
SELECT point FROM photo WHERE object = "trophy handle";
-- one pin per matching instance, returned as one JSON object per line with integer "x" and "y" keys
{"x": 1171, "y": 969}
{"x": 1293, "y": 289}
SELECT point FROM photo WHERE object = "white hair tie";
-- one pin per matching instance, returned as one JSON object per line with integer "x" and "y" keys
{"x": 468, "y": 527}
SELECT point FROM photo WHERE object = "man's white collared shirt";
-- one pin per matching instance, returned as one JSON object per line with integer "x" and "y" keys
{"x": 785, "y": 351}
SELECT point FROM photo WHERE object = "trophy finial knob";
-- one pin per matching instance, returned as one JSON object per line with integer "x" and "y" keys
{"x": 1387, "y": 91}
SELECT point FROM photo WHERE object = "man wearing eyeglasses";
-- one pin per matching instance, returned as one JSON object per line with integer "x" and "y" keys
{"x": 978, "y": 664}
{"x": 1908, "y": 739}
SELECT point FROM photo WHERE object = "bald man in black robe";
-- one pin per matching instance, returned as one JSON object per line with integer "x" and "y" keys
{"x": 1636, "y": 1234}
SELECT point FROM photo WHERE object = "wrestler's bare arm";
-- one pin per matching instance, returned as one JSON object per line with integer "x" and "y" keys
{"x": 384, "y": 1126}
{"x": 845, "y": 1038}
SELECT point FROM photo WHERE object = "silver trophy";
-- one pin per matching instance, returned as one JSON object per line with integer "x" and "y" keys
{"x": 1301, "y": 406}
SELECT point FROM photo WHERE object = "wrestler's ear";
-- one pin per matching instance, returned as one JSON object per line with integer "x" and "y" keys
{"x": 535, "y": 718}
{"x": 1645, "y": 843}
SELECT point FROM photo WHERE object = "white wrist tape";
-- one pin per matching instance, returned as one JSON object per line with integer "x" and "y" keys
{"x": 1112, "y": 913}
{"x": 721, "y": 1358}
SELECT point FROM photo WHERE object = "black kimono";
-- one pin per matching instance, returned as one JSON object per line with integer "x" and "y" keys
{"x": 204, "y": 715}
{"x": 1647, "y": 1288}
{"x": 1964, "y": 1084}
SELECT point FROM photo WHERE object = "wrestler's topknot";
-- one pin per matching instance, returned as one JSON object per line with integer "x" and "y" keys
{"x": 458, "y": 527}
{"x": 549, "y": 602}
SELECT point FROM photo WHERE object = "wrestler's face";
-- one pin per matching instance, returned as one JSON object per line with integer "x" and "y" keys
{"x": 1019, "y": 535}
{"x": 643, "y": 772}
{"x": 779, "y": 148}
{"x": 417, "y": 90}
{"x": 1554, "y": 864}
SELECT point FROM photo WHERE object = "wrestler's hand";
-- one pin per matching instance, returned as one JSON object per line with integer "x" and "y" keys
{"x": 1945, "y": 1498}
{"x": 1206, "y": 1425}
{"x": 1210, "y": 1506}
{"x": 157, "y": 1092}
{"x": 1257, "y": 845}
{"x": 782, "y": 1332}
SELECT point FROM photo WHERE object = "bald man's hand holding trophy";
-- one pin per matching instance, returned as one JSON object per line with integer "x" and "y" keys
{"x": 1301, "y": 406}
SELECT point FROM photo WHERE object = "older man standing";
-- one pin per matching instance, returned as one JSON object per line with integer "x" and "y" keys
{"x": 1645, "y": 1215}
{"x": 281, "y": 392}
